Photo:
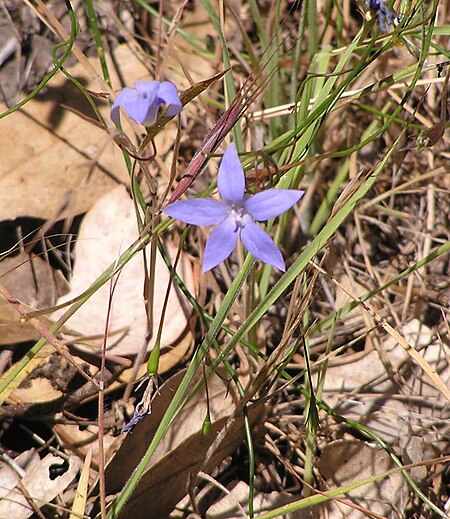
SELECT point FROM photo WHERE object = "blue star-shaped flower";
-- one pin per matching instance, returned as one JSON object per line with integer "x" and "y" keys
{"x": 143, "y": 104}
{"x": 236, "y": 216}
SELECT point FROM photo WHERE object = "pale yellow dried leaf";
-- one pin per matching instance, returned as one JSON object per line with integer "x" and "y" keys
{"x": 31, "y": 364}
{"x": 106, "y": 231}
{"x": 38, "y": 390}
{"x": 39, "y": 487}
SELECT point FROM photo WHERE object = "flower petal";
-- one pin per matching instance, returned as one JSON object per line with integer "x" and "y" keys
{"x": 168, "y": 94}
{"x": 139, "y": 110}
{"x": 149, "y": 89}
{"x": 231, "y": 178}
{"x": 127, "y": 95}
{"x": 147, "y": 111}
{"x": 271, "y": 203}
{"x": 152, "y": 114}
{"x": 261, "y": 245}
{"x": 133, "y": 103}
{"x": 220, "y": 244}
{"x": 198, "y": 211}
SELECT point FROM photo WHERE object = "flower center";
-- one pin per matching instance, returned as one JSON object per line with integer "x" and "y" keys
{"x": 239, "y": 215}
{"x": 147, "y": 96}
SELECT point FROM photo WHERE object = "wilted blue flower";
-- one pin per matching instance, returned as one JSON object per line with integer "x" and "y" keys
{"x": 235, "y": 217}
{"x": 384, "y": 14}
{"x": 142, "y": 104}
{"x": 136, "y": 418}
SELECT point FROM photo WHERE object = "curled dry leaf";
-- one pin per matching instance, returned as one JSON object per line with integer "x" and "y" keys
{"x": 106, "y": 231}
{"x": 38, "y": 486}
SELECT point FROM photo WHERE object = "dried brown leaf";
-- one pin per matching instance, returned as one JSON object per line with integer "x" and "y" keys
{"x": 227, "y": 506}
{"x": 347, "y": 461}
{"x": 60, "y": 163}
{"x": 39, "y": 487}
{"x": 33, "y": 281}
{"x": 106, "y": 231}
{"x": 183, "y": 451}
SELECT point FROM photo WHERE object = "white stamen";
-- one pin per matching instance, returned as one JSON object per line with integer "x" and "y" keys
{"x": 239, "y": 215}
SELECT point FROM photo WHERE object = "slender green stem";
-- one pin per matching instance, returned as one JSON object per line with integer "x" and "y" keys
{"x": 181, "y": 397}
{"x": 251, "y": 462}
{"x": 98, "y": 40}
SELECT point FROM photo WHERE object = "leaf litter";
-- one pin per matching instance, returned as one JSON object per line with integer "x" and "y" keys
{"x": 110, "y": 226}
{"x": 62, "y": 165}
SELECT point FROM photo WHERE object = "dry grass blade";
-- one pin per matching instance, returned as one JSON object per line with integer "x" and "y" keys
{"x": 79, "y": 503}
{"x": 435, "y": 378}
